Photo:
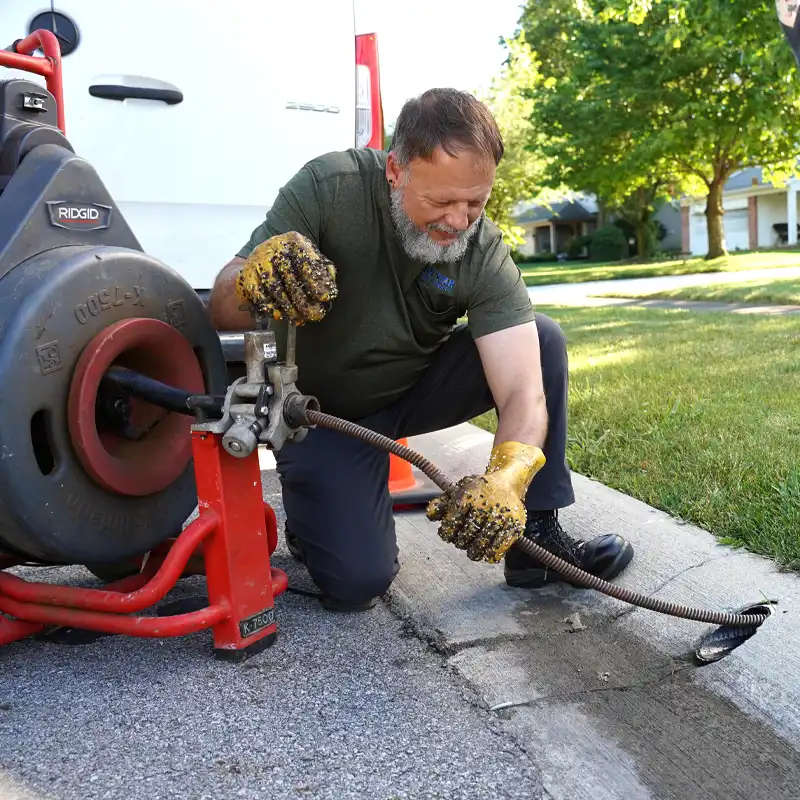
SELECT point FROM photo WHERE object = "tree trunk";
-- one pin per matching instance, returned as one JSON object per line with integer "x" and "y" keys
{"x": 641, "y": 239}
{"x": 643, "y": 222}
{"x": 602, "y": 213}
{"x": 717, "y": 246}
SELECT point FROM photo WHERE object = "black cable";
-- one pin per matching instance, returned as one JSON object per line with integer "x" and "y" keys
{"x": 305, "y": 592}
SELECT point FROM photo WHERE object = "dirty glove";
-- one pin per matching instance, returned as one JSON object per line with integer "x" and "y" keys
{"x": 288, "y": 276}
{"x": 485, "y": 514}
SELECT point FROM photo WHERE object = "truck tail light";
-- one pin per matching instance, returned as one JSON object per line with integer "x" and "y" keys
{"x": 369, "y": 110}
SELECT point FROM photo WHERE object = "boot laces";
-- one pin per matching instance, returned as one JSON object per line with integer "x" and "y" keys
{"x": 546, "y": 531}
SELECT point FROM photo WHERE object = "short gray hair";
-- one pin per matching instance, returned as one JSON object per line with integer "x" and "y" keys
{"x": 446, "y": 118}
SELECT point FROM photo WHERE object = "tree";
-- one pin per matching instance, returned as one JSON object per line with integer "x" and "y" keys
{"x": 388, "y": 136}
{"x": 732, "y": 92}
{"x": 595, "y": 143}
{"x": 644, "y": 94}
{"x": 520, "y": 173}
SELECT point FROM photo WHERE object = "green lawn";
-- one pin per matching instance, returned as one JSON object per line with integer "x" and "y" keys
{"x": 765, "y": 292}
{"x": 540, "y": 275}
{"x": 695, "y": 414}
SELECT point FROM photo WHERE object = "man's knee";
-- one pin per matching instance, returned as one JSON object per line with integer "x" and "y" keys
{"x": 552, "y": 339}
{"x": 356, "y": 583}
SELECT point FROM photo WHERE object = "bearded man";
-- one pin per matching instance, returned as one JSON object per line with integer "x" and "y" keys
{"x": 400, "y": 252}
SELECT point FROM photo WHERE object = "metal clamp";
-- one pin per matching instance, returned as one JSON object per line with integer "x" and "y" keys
{"x": 264, "y": 407}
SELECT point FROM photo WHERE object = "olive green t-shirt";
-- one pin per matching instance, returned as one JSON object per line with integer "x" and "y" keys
{"x": 392, "y": 313}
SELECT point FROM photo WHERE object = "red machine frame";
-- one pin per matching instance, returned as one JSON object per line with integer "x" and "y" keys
{"x": 235, "y": 532}
{"x": 18, "y": 56}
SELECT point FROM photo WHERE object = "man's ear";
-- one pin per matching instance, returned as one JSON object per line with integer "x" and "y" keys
{"x": 394, "y": 172}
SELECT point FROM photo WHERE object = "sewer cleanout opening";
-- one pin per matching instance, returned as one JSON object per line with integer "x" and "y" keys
{"x": 722, "y": 641}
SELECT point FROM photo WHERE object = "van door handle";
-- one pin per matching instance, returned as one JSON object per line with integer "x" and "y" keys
{"x": 124, "y": 91}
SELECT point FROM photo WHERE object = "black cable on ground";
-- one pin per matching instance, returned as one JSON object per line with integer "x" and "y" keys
{"x": 550, "y": 560}
{"x": 305, "y": 592}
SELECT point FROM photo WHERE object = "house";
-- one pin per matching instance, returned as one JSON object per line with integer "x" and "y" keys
{"x": 757, "y": 215}
{"x": 550, "y": 229}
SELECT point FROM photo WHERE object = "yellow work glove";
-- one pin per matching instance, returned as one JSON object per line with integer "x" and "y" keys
{"x": 485, "y": 514}
{"x": 288, "y": 276}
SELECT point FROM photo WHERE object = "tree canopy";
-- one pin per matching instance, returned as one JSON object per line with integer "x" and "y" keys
{"x": 633, "y": 98}
{"x": 520, "y": 174}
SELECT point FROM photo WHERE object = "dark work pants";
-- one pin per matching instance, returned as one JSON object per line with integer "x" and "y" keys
{"x": 335, "y": 488}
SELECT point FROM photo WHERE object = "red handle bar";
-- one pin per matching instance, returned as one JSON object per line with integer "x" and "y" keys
{"x": 18, "y": 56}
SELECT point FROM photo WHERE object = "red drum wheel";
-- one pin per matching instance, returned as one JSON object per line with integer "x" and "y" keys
{"x": 162, "y": 449}
{"x": 90, "y": 475}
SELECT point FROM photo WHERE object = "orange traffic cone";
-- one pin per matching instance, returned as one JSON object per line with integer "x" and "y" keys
{"x": 401, "y": 473}
{"x": 407, "y": 486}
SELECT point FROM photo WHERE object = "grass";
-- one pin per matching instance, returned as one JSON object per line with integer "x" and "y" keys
{"x": 696, "y": 414}
{"x": 545, "y": 274}
{"x": 766, "y": 292}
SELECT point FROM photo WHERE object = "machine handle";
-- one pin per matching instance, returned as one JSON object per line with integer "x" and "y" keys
{"x": 18, "y": 56}
{"x": 111, "y": 91}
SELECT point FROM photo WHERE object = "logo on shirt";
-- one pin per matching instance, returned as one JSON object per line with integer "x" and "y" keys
{"x": 435, "y": 278}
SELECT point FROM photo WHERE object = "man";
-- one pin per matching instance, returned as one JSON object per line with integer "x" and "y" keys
{"x": 383, "y": 254}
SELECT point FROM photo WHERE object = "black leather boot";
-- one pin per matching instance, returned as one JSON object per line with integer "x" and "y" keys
{"x": 604, "y": 556}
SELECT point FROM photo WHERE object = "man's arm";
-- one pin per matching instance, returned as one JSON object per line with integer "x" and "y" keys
{"x": 485, "y": 514}
{"x": 224, "y": 304}
{"x": 503, "y": 324}
{"x": 298, "y": 207}
{"x": 513, "y": 369}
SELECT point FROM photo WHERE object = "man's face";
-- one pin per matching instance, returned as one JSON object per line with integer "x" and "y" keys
{"x": 437, "y": 204}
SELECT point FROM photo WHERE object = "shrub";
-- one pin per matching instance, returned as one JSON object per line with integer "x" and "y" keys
{"x": 539, "y": 258}
{"x": 608, "y": 244}
{"x": 576, "y": 245}
{"x": 654, "y": 233}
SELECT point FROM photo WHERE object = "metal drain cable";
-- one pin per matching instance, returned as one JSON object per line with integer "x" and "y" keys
{"x": 572, "y": 573}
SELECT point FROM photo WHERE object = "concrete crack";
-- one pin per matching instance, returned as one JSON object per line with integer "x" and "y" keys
{"x": 451, "y": 649}
{"x": 597, "y": 690}
{"x": 437, "y": 643}
{"x": 677, "y": 575}
{"x": 631, "y": 608}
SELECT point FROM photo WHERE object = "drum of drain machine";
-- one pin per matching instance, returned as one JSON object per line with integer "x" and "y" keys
{"x": 86, "y": 477}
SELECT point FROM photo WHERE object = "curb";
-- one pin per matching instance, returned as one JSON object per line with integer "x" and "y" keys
{"x": 615, "y": 668}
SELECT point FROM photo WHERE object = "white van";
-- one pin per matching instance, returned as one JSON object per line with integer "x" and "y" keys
{"x": 194, "y": 113}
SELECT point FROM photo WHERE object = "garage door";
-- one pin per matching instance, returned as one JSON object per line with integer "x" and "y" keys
{"x": 736, "y": 229}
{"x": 699, "y": 235}
{"x": 737, "y": 234}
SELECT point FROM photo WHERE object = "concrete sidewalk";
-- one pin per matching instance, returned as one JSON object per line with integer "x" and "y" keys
{"x": 608, "y": 702}
{"x": 579, "y": 293}
{"x": 741, "y": 309}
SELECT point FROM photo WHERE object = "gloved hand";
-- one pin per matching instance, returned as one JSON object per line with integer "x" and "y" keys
{"x": 485, "y": 514}
{"x": 287, "y": 275}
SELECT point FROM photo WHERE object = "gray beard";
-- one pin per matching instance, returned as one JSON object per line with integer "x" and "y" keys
{"x": 418, "y": 245}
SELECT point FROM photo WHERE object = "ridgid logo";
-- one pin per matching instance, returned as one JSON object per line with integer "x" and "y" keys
{"x": 79, "y": 216}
